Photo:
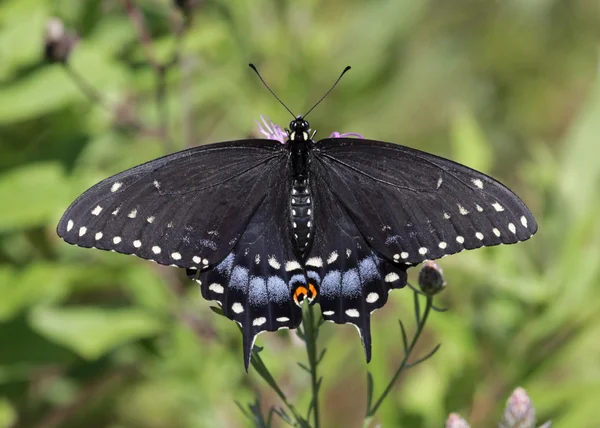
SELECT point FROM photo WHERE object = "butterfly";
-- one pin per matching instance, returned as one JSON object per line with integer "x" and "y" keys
{"x": 262, "y": 225}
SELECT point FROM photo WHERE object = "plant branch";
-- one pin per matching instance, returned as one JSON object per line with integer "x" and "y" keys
{"x": 421, "y": 320}
{"x": 310, "y": 339}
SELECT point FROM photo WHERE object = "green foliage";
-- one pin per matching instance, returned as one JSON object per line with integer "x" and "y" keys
{"x": 98, "y": 339}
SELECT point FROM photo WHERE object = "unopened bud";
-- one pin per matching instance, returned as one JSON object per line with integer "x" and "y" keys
{"x": 186, "y": 6}
{"x": 431, "y": 278}
{"x": 456, "y": 421}
{"x": 58, "y": 42}
{"x": 519, "y": 412}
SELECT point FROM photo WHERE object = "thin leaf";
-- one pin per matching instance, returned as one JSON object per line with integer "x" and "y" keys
{"x": 404, "y": 337}
{"x": 370, "y": 387}
{"x": 429, "y": 355}
{"x": 304, "y": 367}
{"x": 417, "y": 308}
{"x": 321, "y": 356}
{"x": 435, "y": 308}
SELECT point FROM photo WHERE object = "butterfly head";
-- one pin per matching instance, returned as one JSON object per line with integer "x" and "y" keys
{"x": 299, "y": 129}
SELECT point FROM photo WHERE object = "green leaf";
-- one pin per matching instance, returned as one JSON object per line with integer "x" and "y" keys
{"x": 92, "y": 332}
{"x": 469, "y": 145}
{"x": 40, "y": 282}
{"x": 8, "y": 415}
{"x": 31, "y": 195}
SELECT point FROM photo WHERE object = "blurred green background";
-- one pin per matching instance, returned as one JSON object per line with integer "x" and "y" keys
{"x": 95, "y": 339}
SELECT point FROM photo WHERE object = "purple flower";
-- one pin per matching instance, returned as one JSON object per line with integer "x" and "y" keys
{"x": 275, "y": 132}
{"x": 456, "y": 421}
{"x": 345, "y": 135}
{"x": 271, "y": 131}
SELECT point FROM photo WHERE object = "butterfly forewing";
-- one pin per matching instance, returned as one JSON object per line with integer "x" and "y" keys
{"x": 411, "y": 206}
{"x": 187, "y": 209}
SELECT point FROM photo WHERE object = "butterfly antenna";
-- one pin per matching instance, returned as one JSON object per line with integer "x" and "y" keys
{"x": 330, "y": 89}
{"x": 253, "y": 67}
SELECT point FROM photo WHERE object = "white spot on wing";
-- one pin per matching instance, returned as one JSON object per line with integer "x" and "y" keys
{"x": 328, "y": 313}
{"x": 352, "y": 313}
{"x": 332, "y": 257}
{"x": 217, "y": 288}
{"x": 116, "y": 240}
{"x": 132, "y": 214}
{"x": 496, "y": 232}
{"x": 237, "y": 308}
{"x": 372, "y": 297}
{"x": 391, "y": 277}
{"x": 257, "y": 259}
{"x": 439, "y": 183}
{"x": 404, "y": 255}
{"x": 69, "y": 225}
{"x": 292, "y": 265}
{"x": 274, "y": 263}
{"x": 422, "y": 251}
{"x": 97, "y": 210}
{"x": 479, "y": 236}
{"x": 446, "y": 216}
{"x": 442, "y": 245}
{"x": 396, "y": 257}
{"x": 82, "y": 230}
{"x": 283, "y": 319}
{"x": 479, "y": 208}
{"x": 523, "y": 221}
{"x": 478, "y": 183}
{"x": 259, "y": 321}
{"x": 176, "y": 256}
{"x": 205, "y": 262}
{"x": 460, "y": 239}
{"x": 498, "y": 207}
{"x": 116, "y": 211}
{"x": 150, "y": 219}
{"x": 156, "y": 184}
{"x": 462, "y": 210}
{"x": 196, "y": 259}
{"x": 156, "y": 249}
{"x": 512, "y": 228}
{"x": 137, "y": 243}
{"x": 116, "y": 186}
{"x": 315, "y": 261}
{"x": 98, "y": 235}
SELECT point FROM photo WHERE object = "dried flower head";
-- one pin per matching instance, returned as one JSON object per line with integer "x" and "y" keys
{"x": 519, "y": 411}
{"x": 431, "y": 278}
{"x": 58, "y": 42}
{"x": 456, "y": 421}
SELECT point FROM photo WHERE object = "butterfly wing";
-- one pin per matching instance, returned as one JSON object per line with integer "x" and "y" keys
{"x": 353, "y": 280}
{"x": 380, "y": 208}
{"x": 254, "y": 283}
{"x": 186, "y": 209}
{"x": 412, "y": 206}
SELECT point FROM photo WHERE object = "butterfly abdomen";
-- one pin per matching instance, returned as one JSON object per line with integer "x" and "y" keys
{"x": 302, "y": 214}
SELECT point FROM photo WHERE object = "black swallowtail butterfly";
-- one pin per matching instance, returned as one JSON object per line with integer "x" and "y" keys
{"x": 262, "y": 225}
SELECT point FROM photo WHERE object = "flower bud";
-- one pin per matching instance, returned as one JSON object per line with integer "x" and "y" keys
{"x": 186, "y": 6}
{"x": 519, "y": 412}
{"x": 431, "y": 278}
{"x": 456, "y": 421}
{"x": 58, "y": 43}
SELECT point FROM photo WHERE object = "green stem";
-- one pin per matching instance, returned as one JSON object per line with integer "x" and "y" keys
{"x": 404, "y": 362}
{"x": 310, "y": 339}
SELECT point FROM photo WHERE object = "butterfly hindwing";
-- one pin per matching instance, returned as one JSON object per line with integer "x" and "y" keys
{"x": 353, "y": 280}
{"x": 254, "y": 283}
{"x": 186, "y": 209}
{"x": 411, "y": 206}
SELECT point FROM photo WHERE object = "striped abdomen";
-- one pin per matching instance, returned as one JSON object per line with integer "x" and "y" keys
{"x": 302, "y": 214}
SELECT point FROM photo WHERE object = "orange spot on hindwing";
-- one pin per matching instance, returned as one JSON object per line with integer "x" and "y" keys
{"x": 301, "y": 293}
